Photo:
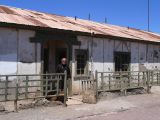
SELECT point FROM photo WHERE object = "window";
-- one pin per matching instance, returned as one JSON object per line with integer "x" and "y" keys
{"x": 81, "y": 59}
{"x": 122, "y": 61}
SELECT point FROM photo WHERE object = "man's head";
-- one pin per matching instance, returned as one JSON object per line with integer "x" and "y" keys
{"x": 63, "y": 61}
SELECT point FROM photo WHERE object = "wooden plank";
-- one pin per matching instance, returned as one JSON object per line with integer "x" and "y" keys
{"x": 65, "y": 89}
{"x": 102, "y": 81}
{"x": 26, "y": 87}
{"x": 96, "y": 80}
{"x": 6, "y": 88}
{"x": 109, "y": 81}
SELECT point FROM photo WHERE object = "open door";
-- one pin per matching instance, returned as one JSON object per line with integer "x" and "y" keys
{"x": 46, "y": 60}
{"x": 60, "y": 53}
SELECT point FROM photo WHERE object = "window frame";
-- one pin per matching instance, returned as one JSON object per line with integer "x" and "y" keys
{"x": 122, "y": 53}
{"x": 82, "y": 51}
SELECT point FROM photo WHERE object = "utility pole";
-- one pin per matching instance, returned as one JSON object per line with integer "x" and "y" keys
{"x": 89, "y": 16}
{"x": 148, "y": 15}
{"x": 105, "y": 20}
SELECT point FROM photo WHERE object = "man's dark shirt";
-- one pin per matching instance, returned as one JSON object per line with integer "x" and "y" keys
{"x": 62, "y": 68}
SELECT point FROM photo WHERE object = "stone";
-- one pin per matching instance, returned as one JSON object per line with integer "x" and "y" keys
{"x": 89, "y": 97}
{"x": 2, "y": 108}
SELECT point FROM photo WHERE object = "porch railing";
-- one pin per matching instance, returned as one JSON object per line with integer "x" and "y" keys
{"x": 21, "y": 87}
{"x": 85, "y": 83}
{"x": 111, "y": 81}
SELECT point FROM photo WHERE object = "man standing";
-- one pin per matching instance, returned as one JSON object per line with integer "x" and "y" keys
{"x": 61, "y": 68}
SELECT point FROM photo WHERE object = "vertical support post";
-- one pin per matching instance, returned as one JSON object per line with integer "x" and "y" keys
{"x": 152, "y": 77}
{"x": 102, "y": 80}
{"x": 125, "y": 87}
{"x": 144, "y": 81}
{"x": 148, "y": 82}
{"x": 138, "y": 79}
{"x": 46, "y": 87}
{"x": 26, "y": 87}
{"x": 96, "y": 79}
{"x": 157, "y": 78}
{"x": 126, "y": 83}
{"x": 6, "y": 88}
{"x": 15, "y": 106}
{"x": 51, "y": 86}
{"x": 109, "y": 81}
{"x": 69, "y": 86}
{"x": 57, "y": 86}
{"x": 129, "y": 79}
{"x": 65, "y": 88}
{"x": 16, "y": 98}
{"x": 42, "y": 84}
{"x": 122, "y": 84}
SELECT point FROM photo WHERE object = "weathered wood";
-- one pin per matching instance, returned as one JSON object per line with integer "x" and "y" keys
{"x": 6, "y": 88}
{"x": 26, "y": 87}
{"x": 16, "y": 98}
{"x": 102, "y": 81}
{"x": 128, "y": 80}
{"x": 96, "y": 80}
{"x": 57, "y": 86}
{"x": 109, "y": 81}
{"x": 148, "y": 81}
{"x": 46, "y": 88}
{"x": 138, "y": 79}
{"x": 15, "y": 106}
{"x": 65, "y": 89}
{"x": 24, "y": 84}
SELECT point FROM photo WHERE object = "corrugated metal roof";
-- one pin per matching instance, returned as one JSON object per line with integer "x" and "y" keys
{"x": 34, "y": 18}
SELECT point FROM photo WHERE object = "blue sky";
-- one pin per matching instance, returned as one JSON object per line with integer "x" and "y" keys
{"x": 132, "y": 13}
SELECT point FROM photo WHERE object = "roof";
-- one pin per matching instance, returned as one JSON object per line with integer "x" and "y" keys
{"x": 39, "y": 19}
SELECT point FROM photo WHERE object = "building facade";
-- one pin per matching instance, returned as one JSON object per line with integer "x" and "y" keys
{"x": 30, "y": 49}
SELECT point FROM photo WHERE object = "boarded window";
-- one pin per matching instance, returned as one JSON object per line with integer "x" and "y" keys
{"x": 81, "y": 60}
{"x": 122, "y": 61}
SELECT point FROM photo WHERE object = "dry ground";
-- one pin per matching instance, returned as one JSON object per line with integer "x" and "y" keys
{"x": 135, "y": 107}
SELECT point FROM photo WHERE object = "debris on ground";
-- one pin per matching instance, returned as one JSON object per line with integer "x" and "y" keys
{"x": 136, "y": 91}
{"x": 2, "y": 108}
{"x": 75, "y": 100}
{"x": 39, "y": 103}
{"x": 115, "y": 94}
{"x": 89, "y": 97}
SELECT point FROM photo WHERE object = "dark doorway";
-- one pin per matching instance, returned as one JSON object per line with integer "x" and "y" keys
{"x": 122, "y": 61}
{"x": 60, "y": 53}
{"x": 46, "y": 60}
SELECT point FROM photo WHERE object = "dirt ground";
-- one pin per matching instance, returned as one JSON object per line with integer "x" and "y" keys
{"x": 133, "y": 107}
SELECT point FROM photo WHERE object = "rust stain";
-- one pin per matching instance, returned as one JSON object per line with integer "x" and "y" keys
{"x": 10, "y": 14}
{"x": 6, "y": 10}
{"x": 38, "y": 23}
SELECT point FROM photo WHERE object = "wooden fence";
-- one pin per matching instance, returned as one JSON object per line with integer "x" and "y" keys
{"x": 21, "y": 87}
{"x": 111, "y": 81}
{"x": 86, "y": 82}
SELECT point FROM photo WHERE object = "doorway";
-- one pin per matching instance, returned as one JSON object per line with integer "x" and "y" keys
{"x": 122, "y": 61}
{"x": 45, "y": 60}
{"x": 53, "y": 52}
{"x": 60, "y": 53}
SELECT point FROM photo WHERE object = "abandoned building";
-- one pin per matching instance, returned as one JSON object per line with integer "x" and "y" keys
{"x": 34, "y": 42}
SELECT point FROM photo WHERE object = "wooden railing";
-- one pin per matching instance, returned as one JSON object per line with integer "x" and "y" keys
{"x": 21, "y": 87}
{"x": 86, "y": 82}
{"x": 111, "y": 81}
